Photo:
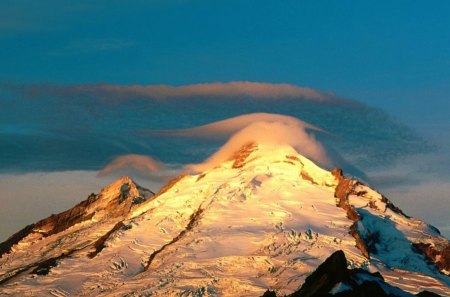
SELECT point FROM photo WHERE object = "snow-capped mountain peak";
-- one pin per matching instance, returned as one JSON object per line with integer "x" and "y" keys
{"x": 263, "y": 219}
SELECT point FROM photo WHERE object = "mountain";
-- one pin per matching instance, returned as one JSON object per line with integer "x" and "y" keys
{"x": 266, "y": 219}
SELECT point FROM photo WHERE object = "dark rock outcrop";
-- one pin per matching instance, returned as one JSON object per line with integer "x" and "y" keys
{"x": 99, "y": 245}
{"x": 392, "y": 207}
{"x": 326, "y": 276}
{"x": 193, "y": 221}
{"x": 344, "y": 189}
{"x": 427, "y": 294}
{"x": 333, "y": 278}
{"x": 269, "y": 293}
{"x": 360, "y": 243}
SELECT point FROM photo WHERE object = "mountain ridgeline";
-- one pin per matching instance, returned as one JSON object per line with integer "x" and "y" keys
{"x": 267, "y": 222}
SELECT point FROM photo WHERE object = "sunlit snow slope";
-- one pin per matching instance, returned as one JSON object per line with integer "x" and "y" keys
{"x": 265, "y": 219}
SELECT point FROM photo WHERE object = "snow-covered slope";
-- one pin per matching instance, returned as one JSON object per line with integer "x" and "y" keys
{"x": 265, "y": 219}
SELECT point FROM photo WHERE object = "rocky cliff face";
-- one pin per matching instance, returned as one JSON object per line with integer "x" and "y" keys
{"x": 436, "y": 253}
{"x": 263, "y": 220}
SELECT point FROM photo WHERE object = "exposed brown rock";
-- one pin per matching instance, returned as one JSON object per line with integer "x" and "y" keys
{"x": 438, "y": 255}
{"x": 193, "y": 221}
{"x": 307, "y": 177}
{"x": 13, "y": 274}
{"x": 360, "y": 243}
{"x": 60, "y": 222}
{"x": 200, "y": 177}
{"x": 44, "y": 267}
{"x": 345, "y": 205}
{"x": 241, "y": 155}
{"x": 99, "y": 245}
{"x": 373, "y": 205}
{"x": 294, "y": 158}
{"x": 5, "y": 247}
{"x": 392, "y": 207}
{"x": 344, "y": 189}
{"x": 337, "y": 173}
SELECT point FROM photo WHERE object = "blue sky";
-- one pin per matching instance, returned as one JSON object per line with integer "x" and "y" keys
{"x": 330, "y": 45}
{"x": 392, "y": 55}
{"x": 389, "y": 53}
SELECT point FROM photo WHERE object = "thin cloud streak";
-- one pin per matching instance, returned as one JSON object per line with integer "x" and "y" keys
{"x": 162, "y": 91}
{"x": 232, "y": 125}
{"x": 233, "y": 89}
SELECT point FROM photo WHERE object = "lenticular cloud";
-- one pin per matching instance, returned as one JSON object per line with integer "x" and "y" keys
{"x": 145, "y": 165}
{"x": 280, "y": 133}
{"x": 232, "y": 125}
{"x": 209, "y": 90}
{"x": 105, "y": 121}
{"x": 262, "y": 128}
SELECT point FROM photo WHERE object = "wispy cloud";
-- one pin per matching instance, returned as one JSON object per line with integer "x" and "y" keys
{"x": 118, "y": 119}
{"x": 234, "y": 89}
{"x": 209, "y": 90}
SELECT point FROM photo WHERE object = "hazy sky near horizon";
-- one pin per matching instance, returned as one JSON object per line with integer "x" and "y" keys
{"x": 391, "y": 55}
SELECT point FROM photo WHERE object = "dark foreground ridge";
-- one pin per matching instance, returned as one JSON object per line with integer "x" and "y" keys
{"x": 333, "y": 278}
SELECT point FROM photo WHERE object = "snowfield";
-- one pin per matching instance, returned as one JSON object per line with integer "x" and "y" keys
{"x": 262, "y": 220}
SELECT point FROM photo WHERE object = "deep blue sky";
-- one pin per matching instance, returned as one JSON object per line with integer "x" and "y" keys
{"x": 388, "y": 52}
